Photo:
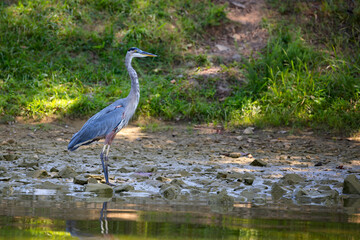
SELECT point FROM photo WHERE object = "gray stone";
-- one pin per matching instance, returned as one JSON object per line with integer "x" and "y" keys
{"x": 222, "y": 198}
{"x": 258, "y": 163}
{"x": 248, "y": 175}
{"x": 147, "y": 169}
{"x": 249, "y": 130}
{"x": 351, "y": 185}
{"x": 248, "y": 181}
{"x": 221, "y": 175}
{"x": 184, "y": 173}
{"x": 92, "y": 180}
{"x": 67, "y": 172}
{"x": 54, "y": 169}
{"x": 81, "y": 180}
{"x": 10, "y": 157}
{"x": 98, "y": 188}
{"x": 292, "y": 178}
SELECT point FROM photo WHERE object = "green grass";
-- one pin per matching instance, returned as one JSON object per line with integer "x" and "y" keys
{"x": 295, "y": 83}
{"x": 66, "y": 58}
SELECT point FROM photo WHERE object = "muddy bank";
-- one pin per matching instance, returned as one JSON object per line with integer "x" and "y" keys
{"x": 183, "y": 163}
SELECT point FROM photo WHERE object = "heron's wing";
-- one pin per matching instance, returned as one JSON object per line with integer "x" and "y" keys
{"x": 99, "y": 125}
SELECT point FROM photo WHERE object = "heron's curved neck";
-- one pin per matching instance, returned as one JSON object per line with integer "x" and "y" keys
{"x": 135, "y": 89}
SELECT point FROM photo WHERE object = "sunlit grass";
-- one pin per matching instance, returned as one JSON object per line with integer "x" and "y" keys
{"x": 66, "y": 58}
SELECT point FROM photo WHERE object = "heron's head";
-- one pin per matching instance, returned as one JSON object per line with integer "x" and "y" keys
{"x": 136, "y": 52}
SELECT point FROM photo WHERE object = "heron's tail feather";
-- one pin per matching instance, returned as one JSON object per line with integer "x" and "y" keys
{"x": 79, "y": 140}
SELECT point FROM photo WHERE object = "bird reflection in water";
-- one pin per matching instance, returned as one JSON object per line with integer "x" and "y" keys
{"x": 103, "y": 220}
{"x": 72, "y": 226}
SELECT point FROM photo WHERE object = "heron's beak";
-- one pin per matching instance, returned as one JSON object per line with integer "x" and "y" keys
{"x": 147, "y": 54}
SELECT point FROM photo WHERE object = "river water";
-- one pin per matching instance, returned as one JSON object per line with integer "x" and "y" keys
{"x": 69, "y": 217}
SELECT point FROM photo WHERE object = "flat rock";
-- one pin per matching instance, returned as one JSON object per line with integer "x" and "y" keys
{"x": 123, "y": 188}
{"x": 41, "y": 173}
{"x": 29, "y": 164}
{"x": 258, "y": 163}
{"x": 98, "y": 188}
{"x": 351, "y": 185}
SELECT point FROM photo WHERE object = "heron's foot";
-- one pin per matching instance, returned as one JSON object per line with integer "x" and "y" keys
{"x": 110, "y": 184}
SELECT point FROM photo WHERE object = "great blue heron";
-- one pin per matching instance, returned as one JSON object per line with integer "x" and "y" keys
{"x": 109, "y": 121}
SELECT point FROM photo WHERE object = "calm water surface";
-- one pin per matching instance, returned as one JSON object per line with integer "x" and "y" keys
{"x": 40, "y": 217}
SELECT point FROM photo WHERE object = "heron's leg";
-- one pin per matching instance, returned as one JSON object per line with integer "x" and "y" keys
{"x": 104, "y": 163}
{"x": 106, "y": 160}
{"x": 108, "y": 140}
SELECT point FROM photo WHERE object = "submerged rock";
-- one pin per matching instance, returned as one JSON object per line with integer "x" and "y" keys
{"x": 38, "y": 174}
{"x": 169, "y": 192}
{"x": 98, "y": 188}
{"x": 67, "y": 172}
{"x": 351, "y": 185}
{"x": 277, "y": 191}
{"x": 50, "y": 185}
{"x": 221, "y": 202}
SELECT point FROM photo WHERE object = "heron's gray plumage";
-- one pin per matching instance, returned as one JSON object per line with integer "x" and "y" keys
{"x": 115, "y": 116}
{"x": 99, "y": 125}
